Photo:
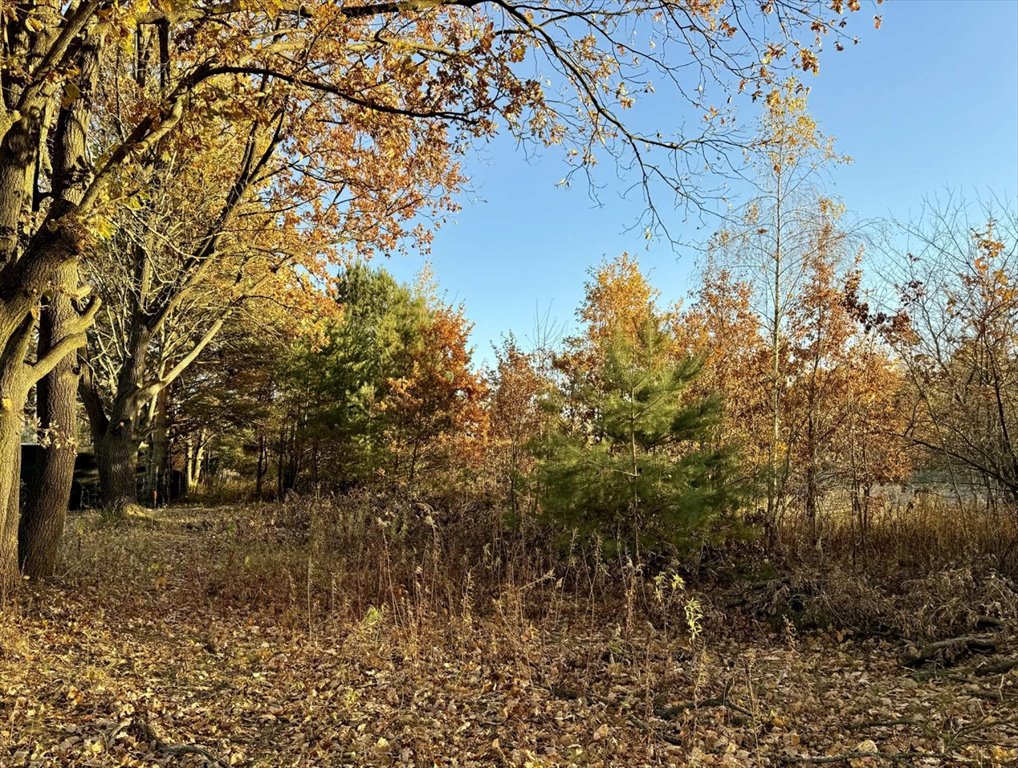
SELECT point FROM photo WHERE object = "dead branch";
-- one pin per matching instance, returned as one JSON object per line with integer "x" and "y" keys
{"x": 844, "y": 757}
{"x": 149, "y": 734}
{"x": 950, "y": 652}
{"x": 1000, "y": 668}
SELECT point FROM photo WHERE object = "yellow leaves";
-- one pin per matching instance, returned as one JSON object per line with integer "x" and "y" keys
{"x": 373, "y": 616}
{"x": 990, "y": 247}
{"x": 864, "y": 747}
{"x": 618, "y": 300}
{"x": 102, "y": 227}
{"x": 272, "y": 7}
{"x": 1003, "y": 756}
{"x": 693, "y": 611}
{"x": 808, "y": 61}
{"x": 71, "y": 94}
{"x": 623, "y": 97}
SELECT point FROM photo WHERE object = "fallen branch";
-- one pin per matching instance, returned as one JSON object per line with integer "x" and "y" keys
{"x": 148, "y": 733}
{"x": 668, "y": 713}
{"x": 844, "y": 757}
{"x": 883, "y": 724}
{"x": 659, "y": 733}
{"x": 1000, "y": 668}
{"x": 950, "y": 652}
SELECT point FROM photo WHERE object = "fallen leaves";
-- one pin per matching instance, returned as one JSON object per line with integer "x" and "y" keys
{"x": 112, "y": 669}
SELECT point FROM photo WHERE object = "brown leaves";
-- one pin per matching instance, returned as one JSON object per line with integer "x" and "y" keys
{"x": 110, "y": 670}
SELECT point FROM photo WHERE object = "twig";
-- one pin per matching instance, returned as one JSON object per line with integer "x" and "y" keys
{"x": 663, "y": 735}
{"x": 148, "y": 733}
{"x": 844, "y": 757}
{"x": 882, "y": 723}
{"x": 1000, "y": 668}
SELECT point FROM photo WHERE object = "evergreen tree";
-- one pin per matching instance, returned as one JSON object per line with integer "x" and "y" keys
{"x": 341, "y": 383}
{"x": 634, "y": 469}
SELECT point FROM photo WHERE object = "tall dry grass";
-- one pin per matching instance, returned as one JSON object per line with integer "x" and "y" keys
{"x": 923, "y": 569}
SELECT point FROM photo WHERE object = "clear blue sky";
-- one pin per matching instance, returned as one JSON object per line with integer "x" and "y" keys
{"x": 928, "y": 102}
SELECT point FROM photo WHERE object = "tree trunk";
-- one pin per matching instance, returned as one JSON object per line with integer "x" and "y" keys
{"x": 262, "y": 467}
{"x": 197, "y": 455}
{"x": 48, "y": 496}
{"x": 42, "y": 524}
{"x": 10, "y": 481}
{"x": 117, "y": 458}
{"x": 13, "y": 394}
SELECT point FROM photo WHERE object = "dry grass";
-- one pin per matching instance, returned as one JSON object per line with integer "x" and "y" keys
{"x": 911, "y": 535}
{"x": 345, "y": 632}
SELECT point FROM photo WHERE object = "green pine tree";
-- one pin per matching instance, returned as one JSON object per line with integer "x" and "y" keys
{"x": 633, "y": 468}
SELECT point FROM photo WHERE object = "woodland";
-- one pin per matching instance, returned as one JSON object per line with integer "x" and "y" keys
{"x": 263, "y": 504}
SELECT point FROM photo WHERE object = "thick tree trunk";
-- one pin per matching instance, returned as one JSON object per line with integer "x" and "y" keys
{"x": 10, "y": 479}
{"x": 117, "y": 459}
{"x": 42, "y": 522}
{"x": 13, "y": 394}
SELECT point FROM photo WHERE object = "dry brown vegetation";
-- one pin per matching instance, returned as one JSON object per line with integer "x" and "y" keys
{"x": 324, "y": 633}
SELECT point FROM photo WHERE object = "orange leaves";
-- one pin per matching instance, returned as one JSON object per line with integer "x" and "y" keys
{"x": 619, "y": 300}
{"x": 435, "y": 406}
{"x": 808, "y": 61}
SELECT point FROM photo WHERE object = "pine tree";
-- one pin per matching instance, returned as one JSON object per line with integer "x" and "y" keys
{"x": 634, "y": 469}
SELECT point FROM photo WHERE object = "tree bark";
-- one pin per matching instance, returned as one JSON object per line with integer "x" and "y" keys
{"x": 116, "y": 454}
{"x": 10, "y": 480}
{"x": 14, "y": 385}
{"x": 42, "y": 522}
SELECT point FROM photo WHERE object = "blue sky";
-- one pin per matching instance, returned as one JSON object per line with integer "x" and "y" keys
{"x": 926, "y": 103}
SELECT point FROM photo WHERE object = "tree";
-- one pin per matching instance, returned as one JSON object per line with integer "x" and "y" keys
{"x": 434, "y": 402}
{"x": 635, "y": 472}
{"x": 771, "y": 247}
{"x": 342, "y": 381}
{"x": 389, "y": 397}
{"x": 618, "y": 302}
{"x": 229, "y": 400}
{"x": 517, "y": 389}
{"x": 956, "y": 332}
{"x": 839, "y": 388}
{"x": 377, "y": 83}
{"x": 844, "y": 388}
{"x": 721, "y": 328}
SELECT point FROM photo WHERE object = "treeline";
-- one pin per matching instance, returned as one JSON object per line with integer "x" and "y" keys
{"x": 168, "y": 168}
{"x": 656, "y": 425}
{"x": 817, "y": 364}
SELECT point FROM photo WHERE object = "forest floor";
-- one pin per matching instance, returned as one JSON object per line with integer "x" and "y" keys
{"x": 162, "y": 645}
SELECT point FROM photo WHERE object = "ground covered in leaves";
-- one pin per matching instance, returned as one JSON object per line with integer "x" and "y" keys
{"x": 164, "y": 643}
